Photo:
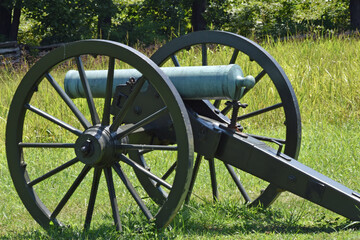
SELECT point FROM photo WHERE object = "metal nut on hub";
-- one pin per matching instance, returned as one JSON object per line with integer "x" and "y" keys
{"x": 86, "y": 148}
{"x": 95, "y": 146}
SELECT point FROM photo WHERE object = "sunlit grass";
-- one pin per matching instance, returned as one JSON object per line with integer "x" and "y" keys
{"x": 326, "y": 78}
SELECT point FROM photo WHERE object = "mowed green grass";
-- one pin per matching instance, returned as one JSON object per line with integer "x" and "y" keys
{"x": 325, "y": 75}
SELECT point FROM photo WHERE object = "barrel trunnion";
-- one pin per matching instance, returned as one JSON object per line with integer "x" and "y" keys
{"x": 151, "y": 113}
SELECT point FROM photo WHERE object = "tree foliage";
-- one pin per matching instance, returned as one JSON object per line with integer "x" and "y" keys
{"x": 148, "y": 21}
{"x": 62, "y": 21}
{"x": 278, "y": 18}
{"x": 151, "y": 20}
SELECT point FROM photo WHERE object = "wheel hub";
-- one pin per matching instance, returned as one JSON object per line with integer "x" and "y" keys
{"x": 95, "y": 147}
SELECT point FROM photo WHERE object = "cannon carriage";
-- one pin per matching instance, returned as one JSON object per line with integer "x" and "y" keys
{"x": 139, "y": 121}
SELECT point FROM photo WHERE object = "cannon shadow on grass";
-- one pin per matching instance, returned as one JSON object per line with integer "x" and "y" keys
{"x": 203, "y": 219}
{"x": 222, "y": 219}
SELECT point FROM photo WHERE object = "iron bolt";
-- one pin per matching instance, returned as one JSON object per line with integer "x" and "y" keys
{"x": 292, "y": 178}
{"x": 137, "y": 110}
{"x": 86, "y": 147}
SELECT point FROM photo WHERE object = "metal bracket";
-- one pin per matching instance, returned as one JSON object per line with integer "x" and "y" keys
{"x": 206, "y": 137}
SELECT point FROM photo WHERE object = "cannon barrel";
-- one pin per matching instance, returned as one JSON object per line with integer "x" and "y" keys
{"x": 200, "y": 82}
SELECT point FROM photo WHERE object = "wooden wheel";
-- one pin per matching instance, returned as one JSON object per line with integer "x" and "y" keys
{"x": 54, "y": 142}
{"x": 271, "y": 102}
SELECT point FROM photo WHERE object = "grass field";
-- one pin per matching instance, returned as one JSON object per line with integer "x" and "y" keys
{"x": 325, "y": 74}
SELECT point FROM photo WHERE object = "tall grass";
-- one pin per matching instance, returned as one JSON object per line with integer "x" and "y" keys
{"x": 325, "y": 74}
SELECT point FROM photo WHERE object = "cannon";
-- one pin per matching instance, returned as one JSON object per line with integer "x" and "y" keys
{"x": 156, "y": 113}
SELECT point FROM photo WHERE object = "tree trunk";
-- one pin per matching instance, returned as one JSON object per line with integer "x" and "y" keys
{"x": 5, "y": 20}
{"x": 104, "y": 23}
{"x": 14, "y": 29}
{"x": 105, "y": 12}
{"x": 197, "y": 20}
{"x": 355, "y": 14}
{"x": 9, "y": 19}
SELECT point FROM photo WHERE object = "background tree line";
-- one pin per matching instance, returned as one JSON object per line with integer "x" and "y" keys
{"x": 147, "y": 21}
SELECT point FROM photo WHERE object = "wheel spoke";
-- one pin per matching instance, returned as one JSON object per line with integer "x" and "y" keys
{"x": 234, "y": 56}
{"x": 213, "y": 179}
{"x": 175, "y": 60}
{"x": 258, "y": 112}
{"x": 87, "y": 91}
{"x": 93, "y": 193}
{"x": 232, "y": 61}
{"x": 204, "y": 54}
{"x": 260, "y": 76}
{"x": 145, "y": 171}
{"x": 84, "y": 122}
{"x": 53, "y": 119}
{"x": 145, "y": 151}
{"x": 53, "y": 172}
{"x": 46, "y": 145}
{"x": 146, "y": 147}
{"x": 257, "y": 79}
{"x": 226, "y": 109}
{"x": 113, "y": 202}
{"x": 238, "y": 183}
{"x": 267, "y": 196}
{"x": 132, "y": 191}
{"x": 193, "y": 178}
{"x": 109, "y": 90}
{"x": 168, "y": 173}
{"x": 267, "y": 139}
{"x": 70, "y": 192}
{"x": 143, "y": 122}
{"x": 122, "y": 113}
{"x": 217, "y": 103}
